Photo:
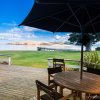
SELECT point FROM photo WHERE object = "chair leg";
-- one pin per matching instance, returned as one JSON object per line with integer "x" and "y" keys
{"x": 48, "y": 80}
{"x": 56, "y": 88}
{"x": 38, "y": 94}
{"x": 86, "y": 96}
{"x": 64, "y": 68}
{"x": 74, "y": 96}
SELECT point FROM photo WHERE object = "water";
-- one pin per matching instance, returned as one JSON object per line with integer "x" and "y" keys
{"x": 4, "y": 47}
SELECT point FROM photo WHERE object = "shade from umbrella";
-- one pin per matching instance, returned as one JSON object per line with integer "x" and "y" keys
{"x": 82, "y": 16}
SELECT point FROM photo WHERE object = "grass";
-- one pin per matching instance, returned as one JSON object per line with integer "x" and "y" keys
{"x": 39, "y": 58}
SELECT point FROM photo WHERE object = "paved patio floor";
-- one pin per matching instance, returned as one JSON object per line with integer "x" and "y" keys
{"x": 18, "y": 82}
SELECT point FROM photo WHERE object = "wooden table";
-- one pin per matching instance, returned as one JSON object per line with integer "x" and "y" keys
{"x": 71, "y": 80}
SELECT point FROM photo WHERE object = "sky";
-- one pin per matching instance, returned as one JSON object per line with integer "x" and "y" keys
{"x": 12, "y": 13}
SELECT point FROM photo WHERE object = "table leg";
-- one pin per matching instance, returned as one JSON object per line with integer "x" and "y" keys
{"x": 74, "y": 97}
{"x": 75, "y": 94}
{"x": 80, "y": 95}
{"x": 86, "y": 96}
{"x": 61, "y": 90}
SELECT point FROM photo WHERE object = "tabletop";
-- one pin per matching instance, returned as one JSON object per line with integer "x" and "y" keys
{"x": 90, "y": 83}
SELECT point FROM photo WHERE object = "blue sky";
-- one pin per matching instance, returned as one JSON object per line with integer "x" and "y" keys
{"x": 12, "y": 13}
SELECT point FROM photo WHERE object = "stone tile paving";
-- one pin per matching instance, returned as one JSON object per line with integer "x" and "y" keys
{"x": 18, "y": 83}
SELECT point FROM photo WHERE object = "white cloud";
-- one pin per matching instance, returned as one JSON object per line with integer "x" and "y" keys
{"x": 26, "y": 28}
{"x": 58, "y": 37}
{"x": 10, "y": 36}
{"x": 16, "y": 33}
{"x": 11, "y": 31}
{"x": 13, "y": 24}
{"x": 62, "y": 38}
{"x": 98, "y": 43}
{"x": 15, "y": 30}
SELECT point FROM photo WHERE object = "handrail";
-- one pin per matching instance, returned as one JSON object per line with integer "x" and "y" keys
{"x": 5, "y": 55}
{"x": 9, "y": 58}
{"x": 66, "y": 60}
{"x": 75, "y": 61}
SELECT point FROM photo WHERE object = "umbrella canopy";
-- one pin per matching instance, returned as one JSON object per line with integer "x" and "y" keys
{"x": 82, "y": 16}
{"x": 69, "y": 1}
{"x": 72, "y": 16}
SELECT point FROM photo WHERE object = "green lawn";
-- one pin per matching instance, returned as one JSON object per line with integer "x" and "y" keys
{"x": 39, "y": 58}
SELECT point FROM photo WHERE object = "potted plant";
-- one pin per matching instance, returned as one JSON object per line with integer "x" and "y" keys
{"x": 92, "y": 62}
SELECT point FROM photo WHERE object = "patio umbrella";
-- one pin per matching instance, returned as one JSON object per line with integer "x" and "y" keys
{"x": 82, "y": 16}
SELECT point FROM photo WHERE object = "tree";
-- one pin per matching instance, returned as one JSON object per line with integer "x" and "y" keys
{"x": 89, "y": 38}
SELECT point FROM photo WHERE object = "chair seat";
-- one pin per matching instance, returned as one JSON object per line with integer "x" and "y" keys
{"x": 47, "y": 97}
{"x": 96, "y": 98}
{"x": 52, "y": 81}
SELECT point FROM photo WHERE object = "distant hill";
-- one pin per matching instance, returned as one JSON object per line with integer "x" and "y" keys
{"x": 30, "y": 42}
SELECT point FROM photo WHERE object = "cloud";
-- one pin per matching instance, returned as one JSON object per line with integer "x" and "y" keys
{"x": 98, "y": 43}
{"x": 26, "y": 28}
{"x": 32, "y": 29}
{"x": 11, "y": 31}
{"x": 62, "y": 38}
{"x": 58, "y": 37}
{"x": 17, "y": 33}
{"x": 13, "y": 24}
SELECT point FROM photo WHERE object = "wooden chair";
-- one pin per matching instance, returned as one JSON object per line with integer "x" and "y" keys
{"x": 58, "y": 63}
{"x": 94, "y": 97}
{"x": 51, "y": 83}
{"x": 50, "y": 94}
{"x": 51, "y": 72}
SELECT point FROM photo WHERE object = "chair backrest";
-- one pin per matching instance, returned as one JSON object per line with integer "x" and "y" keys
{"x": 95, "y": 97}
{"x": 44, "y": 87}
{"x": 58, "y": 63}
{"x": 52, "y": 93}
{"x": 54, "y": 70}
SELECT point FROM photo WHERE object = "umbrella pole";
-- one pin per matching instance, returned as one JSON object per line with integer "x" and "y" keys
{"x": 82, "y": 30}
{"x": 81, "y": 70}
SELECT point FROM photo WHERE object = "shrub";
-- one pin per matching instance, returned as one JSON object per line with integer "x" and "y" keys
{"x": 98, "y": 48}
{"x": 91, "y": 59}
